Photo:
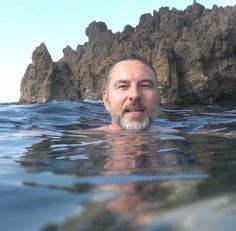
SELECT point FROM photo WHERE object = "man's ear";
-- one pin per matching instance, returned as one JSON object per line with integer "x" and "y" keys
{"x": 105, "y": 100}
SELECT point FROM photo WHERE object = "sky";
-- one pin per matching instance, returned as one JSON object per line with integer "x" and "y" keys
{"x": 25, "y": 24}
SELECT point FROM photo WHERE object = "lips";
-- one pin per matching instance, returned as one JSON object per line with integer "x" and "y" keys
{"x": 134, "y": 109}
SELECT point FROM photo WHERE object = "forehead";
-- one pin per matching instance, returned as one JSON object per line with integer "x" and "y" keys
{"x": 131, "y": 69}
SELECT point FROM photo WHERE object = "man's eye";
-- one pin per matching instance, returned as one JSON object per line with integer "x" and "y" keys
{"x": 146, "y": 85}
{"x": 122, "y": 86}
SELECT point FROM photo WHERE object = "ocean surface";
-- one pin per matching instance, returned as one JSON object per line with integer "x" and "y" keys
{"x": 57, "y": 175}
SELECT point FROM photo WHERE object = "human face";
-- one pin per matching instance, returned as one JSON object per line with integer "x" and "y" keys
{"x": 131, "y": 97}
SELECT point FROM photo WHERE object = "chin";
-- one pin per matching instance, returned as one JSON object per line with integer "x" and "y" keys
{"x": 135, "y": 125}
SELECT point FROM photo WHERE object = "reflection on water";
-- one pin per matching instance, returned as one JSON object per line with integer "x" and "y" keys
{"x": 56, "y": 175}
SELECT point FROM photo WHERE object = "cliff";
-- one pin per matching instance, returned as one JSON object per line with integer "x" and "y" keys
{"x": 193, "y": 52}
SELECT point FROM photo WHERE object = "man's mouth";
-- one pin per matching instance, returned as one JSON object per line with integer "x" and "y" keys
{"x": 134, "y": 111}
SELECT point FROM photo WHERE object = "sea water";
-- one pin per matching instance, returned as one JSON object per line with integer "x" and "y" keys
{"x": 56, "y": 174}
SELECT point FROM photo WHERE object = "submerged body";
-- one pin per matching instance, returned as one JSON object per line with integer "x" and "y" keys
{"x": 152, "y": 128}
{"x": 70, "y": 177}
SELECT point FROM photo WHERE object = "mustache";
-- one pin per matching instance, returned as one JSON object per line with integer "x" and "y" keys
{"x": 134, "y": 103}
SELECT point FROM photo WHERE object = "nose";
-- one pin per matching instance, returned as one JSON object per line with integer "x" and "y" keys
{"x": 134, "y": 94}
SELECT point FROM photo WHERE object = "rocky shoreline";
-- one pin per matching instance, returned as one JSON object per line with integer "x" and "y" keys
{"x": 193, "y": 52}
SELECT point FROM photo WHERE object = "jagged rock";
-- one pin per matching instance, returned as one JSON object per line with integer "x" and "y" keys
{"x": 127, "y": 32}
{"x": 35, "y": 85}
{"x": 69, "y": 54}
{"x": 95, "y": 28}
{"x": 193, "y": 52}
{"x": 45, "y": 81}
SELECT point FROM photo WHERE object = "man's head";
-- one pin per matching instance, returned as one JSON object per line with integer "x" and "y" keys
{"x": 131, "y": 95}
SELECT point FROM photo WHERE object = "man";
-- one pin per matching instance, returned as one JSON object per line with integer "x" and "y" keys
{"x": 131, "y": 96}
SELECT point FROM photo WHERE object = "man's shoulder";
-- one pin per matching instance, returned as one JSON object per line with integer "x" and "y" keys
{"x": 153, "y": 128}
{"x": 103, "y": 128}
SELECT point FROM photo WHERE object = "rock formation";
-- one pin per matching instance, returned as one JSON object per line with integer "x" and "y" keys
{"x": 193, "y": 52}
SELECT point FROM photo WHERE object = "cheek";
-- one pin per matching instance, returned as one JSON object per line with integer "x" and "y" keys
{"x": 151, "y": 100}
{"x": 116, "y": 102}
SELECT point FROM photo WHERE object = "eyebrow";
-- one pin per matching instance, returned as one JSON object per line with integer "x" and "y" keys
{"x": 118, "y": 82}
{"x": 150, "y": 81}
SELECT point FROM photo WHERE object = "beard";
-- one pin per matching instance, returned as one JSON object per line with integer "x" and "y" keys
{"x": 134, "y": 124}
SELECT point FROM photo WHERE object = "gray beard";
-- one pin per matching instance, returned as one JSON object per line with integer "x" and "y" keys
{"x": 134, "y": 125}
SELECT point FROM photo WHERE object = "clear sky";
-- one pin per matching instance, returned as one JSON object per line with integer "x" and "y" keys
{"x": 24, "y": 24}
